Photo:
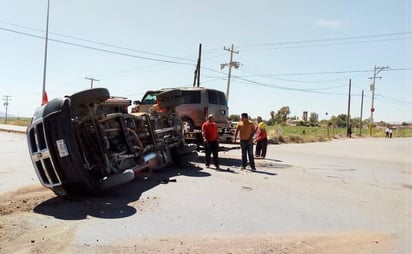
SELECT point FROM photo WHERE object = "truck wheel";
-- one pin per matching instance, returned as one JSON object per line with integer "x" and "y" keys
{"x": 89, "y": 96}
{"x": 184, "y": 154}
{"x": 188, "y": 125}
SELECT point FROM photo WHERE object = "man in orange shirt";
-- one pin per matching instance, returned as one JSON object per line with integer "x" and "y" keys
{"x": 246, "y": 129}
{"x": 210, "y": 137}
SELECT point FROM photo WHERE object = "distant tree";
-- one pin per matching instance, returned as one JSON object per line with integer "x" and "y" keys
{"x": 382, "y": 123}
{"x": 339, "y": 121}
{"x": 272, "y": 114}
{"x": 355, "y": 122}
{"x": 235, "y": 118}
{"x": 259, "y": 119}
{"x": 282, "y": 114}
{"x": 313, "y": 119}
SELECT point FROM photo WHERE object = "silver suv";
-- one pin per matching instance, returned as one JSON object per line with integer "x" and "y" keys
{"x": 196, "y": 104}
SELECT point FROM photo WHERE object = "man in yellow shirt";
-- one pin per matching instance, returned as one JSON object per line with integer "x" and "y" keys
{"x": 246, "y": 130}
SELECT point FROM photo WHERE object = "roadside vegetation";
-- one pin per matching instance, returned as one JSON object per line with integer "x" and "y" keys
{"x": 302, "y": 134}
{"x": 20, "y": 121}
{"x": 282, "y": 128}
{"x": 295, "y": 131}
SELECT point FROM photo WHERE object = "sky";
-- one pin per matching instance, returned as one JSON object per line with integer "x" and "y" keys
{"x": 293, "y": 53}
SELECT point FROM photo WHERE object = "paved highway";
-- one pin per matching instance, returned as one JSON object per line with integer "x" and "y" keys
{"x": 344, "y": 196}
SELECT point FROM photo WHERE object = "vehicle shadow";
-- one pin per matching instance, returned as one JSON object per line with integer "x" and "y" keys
{"x": 119, "y": 202}
{"x": 229, "y": 165}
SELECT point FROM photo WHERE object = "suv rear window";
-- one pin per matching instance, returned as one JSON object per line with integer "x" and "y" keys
{"x": 213, "y": 97}
{"x": 222, "y": 99}
{"x": 191, "y": 97}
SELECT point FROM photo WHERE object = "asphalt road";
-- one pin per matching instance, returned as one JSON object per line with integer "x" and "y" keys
{"x": 344, "y": 196}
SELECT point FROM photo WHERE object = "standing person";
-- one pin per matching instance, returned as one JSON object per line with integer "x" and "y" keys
{"x": 261, "y": 141}
{"x": 390, "y": 133}
{"x": 246, "y": 130}
{"x": 210, "y": 137}
{"x": 387, "y": 132}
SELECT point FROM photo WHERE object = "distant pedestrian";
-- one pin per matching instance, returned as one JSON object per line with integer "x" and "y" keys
{"x": 246, "y": 130}
{"x": 210, "y": 138}
{"x": 390, "y": 133}
{"x": 349, "y": 131}
{"x": 387, "y": 132}
{"x": 261, "y": 141}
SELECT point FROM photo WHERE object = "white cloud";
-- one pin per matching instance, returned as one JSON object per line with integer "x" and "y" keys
{"x": 328, "y": 23}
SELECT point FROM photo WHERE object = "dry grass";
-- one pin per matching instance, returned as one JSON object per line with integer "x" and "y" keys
{"x": 301, "y": 134}
{"x": 20, "y": 121}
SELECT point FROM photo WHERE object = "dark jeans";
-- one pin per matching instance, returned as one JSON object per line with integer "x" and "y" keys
{"x": 247, "y": 149}
{"x": 212, "y": 147}
{"x": 261, "y": 147}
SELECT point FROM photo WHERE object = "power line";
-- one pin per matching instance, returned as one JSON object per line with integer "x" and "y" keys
{"x": 327, "y": 44}
{"x": 324, "y": 40}
{"x": 401, "y": 102}
{"x": 308, "y": 73}
{"x": 98, "y": 43}
{"x": 98, "y": 49}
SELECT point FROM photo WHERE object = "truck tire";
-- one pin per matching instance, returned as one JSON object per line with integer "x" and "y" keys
{"x": 188, "y": 125}
{"x": 184, "y": 154}
{"x": 86, "y": 97}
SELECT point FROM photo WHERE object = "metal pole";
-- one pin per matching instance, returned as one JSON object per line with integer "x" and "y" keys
{"x": 91, "y": 81}
{"x": 198, "y": 68}
{"x": 6, "y": 99}
{"x": 229, "y": 74}
{"x": 372, "y": 103}
{"x": 45, "y": 51}
{"x": 361, "y": 112}
{"x": 348, "y": 127}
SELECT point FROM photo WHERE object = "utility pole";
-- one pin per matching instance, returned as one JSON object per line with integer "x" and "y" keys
{"x": 230, "y": 65}
{"x": 43, "y": 94}
{"x": 348, "y": 124}
{"x": 376, "y": 70}
{"x": 361, "y": 113}
{"x": 197, "y": 71}
{"x": 91, "y": 81}
{"x": 6, "y": 99}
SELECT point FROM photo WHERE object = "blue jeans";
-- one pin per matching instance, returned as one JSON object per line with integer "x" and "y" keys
{"x": 247, "y": 149}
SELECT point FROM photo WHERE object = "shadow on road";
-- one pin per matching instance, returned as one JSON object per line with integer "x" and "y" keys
{"x": 231, "y": 163}
{"x": 115, "y": 203}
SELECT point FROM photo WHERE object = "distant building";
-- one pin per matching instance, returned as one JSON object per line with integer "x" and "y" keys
{"x": 305, "y": 116}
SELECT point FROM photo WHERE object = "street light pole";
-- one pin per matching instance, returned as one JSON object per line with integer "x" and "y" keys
{"x": 376, "y": 70}
{"x": 230, "y": 65}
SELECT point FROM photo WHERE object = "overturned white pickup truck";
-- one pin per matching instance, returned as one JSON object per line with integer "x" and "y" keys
{"x": 88, "y": 141}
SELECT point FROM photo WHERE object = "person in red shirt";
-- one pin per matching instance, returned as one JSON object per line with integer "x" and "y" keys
{"x": 261, "y": 141}
{"x": 210, "y": 137}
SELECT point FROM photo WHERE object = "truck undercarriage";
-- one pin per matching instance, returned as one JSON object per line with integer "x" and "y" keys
{"x": 87, "y": 142}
